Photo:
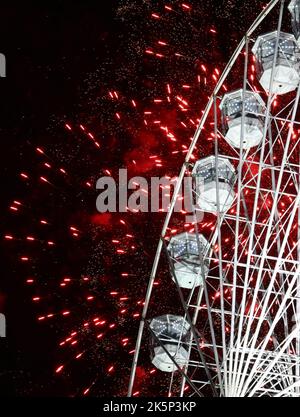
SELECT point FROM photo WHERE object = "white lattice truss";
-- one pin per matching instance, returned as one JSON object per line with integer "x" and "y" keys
{"x": 245, "y": 341}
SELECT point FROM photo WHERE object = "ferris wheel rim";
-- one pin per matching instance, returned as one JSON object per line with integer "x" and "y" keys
{"x": 197, "y": 133}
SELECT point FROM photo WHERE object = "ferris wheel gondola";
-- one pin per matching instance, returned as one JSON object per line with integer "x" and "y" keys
{"x": 237, "y": 327}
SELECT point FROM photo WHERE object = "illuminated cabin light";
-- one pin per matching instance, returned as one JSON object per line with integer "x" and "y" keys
{"x": 187, "y": 255}
{"x": 240, "y": 130}
{"x": 287, "y": 66}
{"x": 205, "y": 174}
{"x": 172, "y": 332}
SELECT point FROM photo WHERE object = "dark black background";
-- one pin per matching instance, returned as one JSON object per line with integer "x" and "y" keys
{"x": 48, "y": 48}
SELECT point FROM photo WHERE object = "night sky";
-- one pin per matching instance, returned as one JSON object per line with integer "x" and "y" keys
{"x": 86, "y": 93}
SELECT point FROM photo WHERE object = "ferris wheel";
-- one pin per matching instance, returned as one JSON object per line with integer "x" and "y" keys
{"x": 235, "y": 331}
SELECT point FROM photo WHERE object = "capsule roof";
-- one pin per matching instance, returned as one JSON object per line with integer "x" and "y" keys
{"x": 211, "y": 159}
{"x": 271, "y": 35}
{"x": 238, "y": 93}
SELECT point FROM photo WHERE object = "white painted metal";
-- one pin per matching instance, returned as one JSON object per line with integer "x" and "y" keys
{"x": 168, "y": 336}
{"x": 207, "y": 172}
{"x": 244, "y": 316}
{"x": 294, "y": 9}
{"x": 162, "y": 361}
{"x": 286, "y": 74}
{"x": 184, "y": 257}
{"x": 231, "y": 108}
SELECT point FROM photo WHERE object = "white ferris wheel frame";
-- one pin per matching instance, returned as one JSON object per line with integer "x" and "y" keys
{"x": 240, "y": 364}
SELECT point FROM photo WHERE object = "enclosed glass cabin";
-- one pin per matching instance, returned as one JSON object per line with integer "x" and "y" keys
{"x": 287, "y": 64}
{"x": 231, "y": 108}
{"x": 187, "y": 253}
{"x": 205, "y": 174}
{"x": 170, "y": 333}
